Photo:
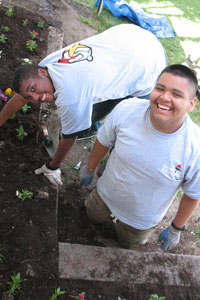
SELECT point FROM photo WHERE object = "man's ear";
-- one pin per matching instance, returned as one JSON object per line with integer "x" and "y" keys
{"x": 43, "y": 72}
{"x": 192, "y": 104}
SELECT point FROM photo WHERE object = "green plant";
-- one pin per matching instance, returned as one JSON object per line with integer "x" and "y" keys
{"x": 41, "y": 24}
{"x": 25, "y": 22}
{"x": 24, "y": 194}
{"x": 156, "y": 297}
{"x": 1, "y": 257}
{"x": 5, "y": 28}
{"x": 33, "y": 34}
{"x": 25, "y": 108}
{"x": 15, "y": 283}
{"x": 21, "y": 133}
{"x": 119, "y": 298}
{"x": 56, "y": 294}
{"x": 9, "y": 10}
{"x": 31, "y": 45}
{"x": 3, "y": 38}
{"x": 1, "y": 53}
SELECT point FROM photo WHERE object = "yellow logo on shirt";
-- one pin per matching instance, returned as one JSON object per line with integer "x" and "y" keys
{"x": 76, "y": 53}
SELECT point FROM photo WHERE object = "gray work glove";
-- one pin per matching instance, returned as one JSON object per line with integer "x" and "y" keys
{"x": 86, "y": 176}
{"x": 53, "y": 176}
{"x": 170, "y": 237}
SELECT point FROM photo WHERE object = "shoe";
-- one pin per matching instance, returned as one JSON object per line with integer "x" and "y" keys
{"x": 86, "y": 135}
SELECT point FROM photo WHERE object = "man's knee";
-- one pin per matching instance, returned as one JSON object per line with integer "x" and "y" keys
{"x": 130, "y": 237}
{"x": 96, "y": 209}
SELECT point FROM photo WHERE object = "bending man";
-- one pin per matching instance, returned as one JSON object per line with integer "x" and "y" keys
{"x": 86, "y": 80}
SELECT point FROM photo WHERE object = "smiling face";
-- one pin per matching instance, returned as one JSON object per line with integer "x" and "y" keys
{"x": 170, "y": 101}
{"x": 38, "y": 89}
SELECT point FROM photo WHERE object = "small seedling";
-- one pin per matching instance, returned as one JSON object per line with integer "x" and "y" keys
{"x": 33, "y": 34}
{"x": 24, "y": 194}
{"x": 25, "y": 22}
{"x": 1, "y": 53}
{"x": 26, "y": 61}
{"x": 1, "y": 257}
{"x": 156, "y": 297}
{"x": 41, "y": 24}
{"x": 15, "y": 283}
{"x": 21, "y": 133}
{"x": 56, "y": 294}
{"x": 79, "y": 297}
{"x": 31, "y": 45}
{"x": 9, "y": 11}
{"x": 5, "y": 28}
{"x": 119, "y": 298}
{"x": 3, "y": 38}
{"x": 25, "y": 108}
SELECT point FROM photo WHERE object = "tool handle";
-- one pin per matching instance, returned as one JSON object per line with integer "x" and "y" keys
{"x": 45, "y": 131}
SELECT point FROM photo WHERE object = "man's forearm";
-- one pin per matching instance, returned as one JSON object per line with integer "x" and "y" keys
{"x": 11, "y": 107}
{"x": 64, "y": 147}
{"x": 98, "y": 152}
{"x": 186, "y": 208}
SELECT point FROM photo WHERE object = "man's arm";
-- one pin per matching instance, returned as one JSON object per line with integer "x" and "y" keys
{"x": 171, "y": 235}
{"x": 11, "y": 107}
{"x": 64, "y": 147}
{"x": 98, "y": 152}
{"x": 87, "y": 171}
{"x": 186, "y": 208}
{"x": 51, "y": 169}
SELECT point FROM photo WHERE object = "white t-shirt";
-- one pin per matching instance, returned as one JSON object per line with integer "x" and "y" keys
{"x": 123, "y": 60}
{"x": 146, "y": 167}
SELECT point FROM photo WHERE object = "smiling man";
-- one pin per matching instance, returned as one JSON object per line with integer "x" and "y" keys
{"x": 155, "y": 151}
{"x": 86, "y": 80}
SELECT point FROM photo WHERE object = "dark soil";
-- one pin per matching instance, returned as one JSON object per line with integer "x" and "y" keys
{"x": 28, "y": 229}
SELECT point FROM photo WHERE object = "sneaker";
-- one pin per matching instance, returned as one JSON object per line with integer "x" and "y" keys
{"x": 86, "y": 135}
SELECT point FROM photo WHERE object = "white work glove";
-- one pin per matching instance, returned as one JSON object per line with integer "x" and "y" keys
{"x": 170, "y": 237}
{"x": 86, "y": 176}
{"x": 54, "y": 176}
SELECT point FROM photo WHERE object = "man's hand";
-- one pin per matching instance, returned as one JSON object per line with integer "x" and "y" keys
{"x": 86, "y": 176}
{"x": 170, "y": 237}
{"x": 53, "y": 176}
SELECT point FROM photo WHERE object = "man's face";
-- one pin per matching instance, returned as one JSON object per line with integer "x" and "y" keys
{"x": 38, "y": 89}
{"x": 170, "y": 101}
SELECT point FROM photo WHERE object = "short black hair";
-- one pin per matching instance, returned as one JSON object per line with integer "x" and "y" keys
{"x": 184, "y": 72}
{"x": 23, "y": 73}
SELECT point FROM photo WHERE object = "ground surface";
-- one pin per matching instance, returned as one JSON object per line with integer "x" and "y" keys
{"x": 28, "y": 230}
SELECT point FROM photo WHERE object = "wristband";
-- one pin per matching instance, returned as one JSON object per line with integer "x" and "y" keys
{"x": 177, "y": 228}
{"x": 49, "y": 167}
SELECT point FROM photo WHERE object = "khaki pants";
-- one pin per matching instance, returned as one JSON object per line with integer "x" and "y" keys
{"x": 128, "y": 236}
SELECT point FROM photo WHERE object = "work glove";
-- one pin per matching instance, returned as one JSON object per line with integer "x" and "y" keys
{"x": 54, "y": 176}
{"x": 170, "y": 237}
{"x": 86, "y": 176}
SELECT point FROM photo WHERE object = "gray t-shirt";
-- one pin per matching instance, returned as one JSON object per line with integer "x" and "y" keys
{"x": 121, "y": 61}
{"x": 146, "y": 166}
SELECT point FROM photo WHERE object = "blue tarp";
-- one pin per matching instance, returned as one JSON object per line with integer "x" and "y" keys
{"x": 158, "y": 25}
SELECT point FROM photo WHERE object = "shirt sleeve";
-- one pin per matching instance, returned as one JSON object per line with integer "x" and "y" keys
{"x": 107, "y": 134}
{"x": 191, "y": 185}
